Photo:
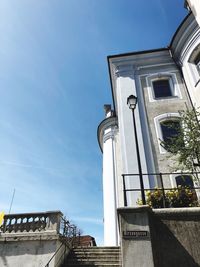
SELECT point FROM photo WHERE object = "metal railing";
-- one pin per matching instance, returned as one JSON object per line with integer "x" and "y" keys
{"x": 161, "y": 179}
{"x": 55, "y": 254}
{"x": 70, "y": 237}
{"x": 41, "y": 223}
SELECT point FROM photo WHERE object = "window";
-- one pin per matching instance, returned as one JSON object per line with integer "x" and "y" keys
{"x": 197, "y": 62}
{"x": 184, "y": 181}
{"x": 167, "y": 127}
{"x": 194, "y": 64}
{"x": 162, "y": 88}
{"x": 170, "y": 129}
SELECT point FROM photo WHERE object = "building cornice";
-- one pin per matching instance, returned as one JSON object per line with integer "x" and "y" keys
{"x": 184, "y": 38}
{"x": 125, "y": 57}
{"x": 179, "y": 28}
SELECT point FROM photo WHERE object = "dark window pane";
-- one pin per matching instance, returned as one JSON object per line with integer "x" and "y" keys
{"x": 170, "y": 129}
{"x": 185, "y": 181}
{"x": 197, "y": 62}
{"x": 162, "y": 88}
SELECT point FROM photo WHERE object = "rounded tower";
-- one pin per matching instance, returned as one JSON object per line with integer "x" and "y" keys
{"x": 106, "y": 137}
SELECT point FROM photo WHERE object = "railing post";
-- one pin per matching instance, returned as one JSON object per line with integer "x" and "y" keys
{"x": 163, "y": 190}
{"x": 124, "y": 190}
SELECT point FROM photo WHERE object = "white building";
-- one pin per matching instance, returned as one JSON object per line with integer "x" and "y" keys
{"x": 164, "y": 81}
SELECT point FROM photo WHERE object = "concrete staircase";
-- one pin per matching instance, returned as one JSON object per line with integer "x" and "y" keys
{"x": 94, "y": 256}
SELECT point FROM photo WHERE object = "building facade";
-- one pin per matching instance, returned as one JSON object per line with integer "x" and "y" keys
{"x": 165, "y": 82}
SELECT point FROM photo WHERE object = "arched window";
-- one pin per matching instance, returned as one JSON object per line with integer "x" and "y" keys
{"x": 184, "y": 181}
{"x": 197, "y": 62}
{"x": 167, "y": 127}
{"x": 194, "y": 64}
{"x": 170, "y": 130}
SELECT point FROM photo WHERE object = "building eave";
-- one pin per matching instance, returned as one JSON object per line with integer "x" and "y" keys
{"x": 137, "y": 53}
{"x": 117, "y": 56}
{"x": 126, "y": 55}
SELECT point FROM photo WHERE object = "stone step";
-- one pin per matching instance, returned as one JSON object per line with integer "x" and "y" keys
{"x": 98, "y": 249}
{"x": 94, "y": 264}
{"x": 94, "y": 260}
{"x": 94, "y": 256}
{"x": 97, "y": 265}
{"x": 100, "y": 254}
{"x": 96, "y": 252}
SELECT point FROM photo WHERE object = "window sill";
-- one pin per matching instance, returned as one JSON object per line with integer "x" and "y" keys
{"x": 166, "y": 98}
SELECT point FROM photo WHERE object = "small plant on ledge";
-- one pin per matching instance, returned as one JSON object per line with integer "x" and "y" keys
{"x": 174, "y": 198}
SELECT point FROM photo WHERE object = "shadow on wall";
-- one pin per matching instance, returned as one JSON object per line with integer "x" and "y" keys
{"x": 175, "y": 243}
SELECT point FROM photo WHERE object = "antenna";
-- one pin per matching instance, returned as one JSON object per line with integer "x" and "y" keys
{"x": 12, "y": 200}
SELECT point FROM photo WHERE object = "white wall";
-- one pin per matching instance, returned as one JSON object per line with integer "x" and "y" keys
{"x": 125, "y": 86}
{"x": 190, "y": 72}
{"x": 195, "y": 7}
{"x": 109, "y": 190}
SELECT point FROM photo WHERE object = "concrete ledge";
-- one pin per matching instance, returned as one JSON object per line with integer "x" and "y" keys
{"x": 178, "y": 211}
{"x": 134, "y": 209}
{"x": 29, "y": 237}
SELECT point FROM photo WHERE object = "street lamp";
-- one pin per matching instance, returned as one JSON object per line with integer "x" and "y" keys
{"x": 132, "y": 102}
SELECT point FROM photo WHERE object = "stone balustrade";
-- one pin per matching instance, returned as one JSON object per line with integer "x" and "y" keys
{"x": 32, "y": 222}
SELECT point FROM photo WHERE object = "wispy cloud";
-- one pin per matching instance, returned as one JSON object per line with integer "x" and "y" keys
{"x": 24, "y": 165}
{"x": 89, "y": 220}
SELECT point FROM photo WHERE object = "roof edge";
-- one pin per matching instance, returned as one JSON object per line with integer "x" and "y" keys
{"x": 138, "y": 52}
{"x": 179, "y": 27}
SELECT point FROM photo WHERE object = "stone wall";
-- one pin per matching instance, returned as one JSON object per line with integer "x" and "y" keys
{"x": 160, "y": 238}
{"x": 32, "y": 240}
{"x": 175, "y": 237}
{"x": 27, "y": 253}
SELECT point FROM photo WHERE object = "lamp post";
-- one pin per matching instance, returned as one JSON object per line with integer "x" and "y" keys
{"x": 132, "y": 102}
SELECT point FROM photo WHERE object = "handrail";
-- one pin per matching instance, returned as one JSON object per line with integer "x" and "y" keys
{"x": 69, "y": 233}
{"x": 158, "y": 173}
{"x": 53, "y": 256}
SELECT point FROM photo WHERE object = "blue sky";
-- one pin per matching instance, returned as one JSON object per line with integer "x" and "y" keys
{"x": 53, "y": 85}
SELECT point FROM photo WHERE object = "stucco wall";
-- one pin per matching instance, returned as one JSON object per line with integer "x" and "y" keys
{"x": 162, "y": 161}
{"x": 29, "y": 253}
{"x": 195, "y": 7}
{"x": 26, "y": 253}
{"x": 171, "y": 237}
{"x": 185, "y": 47}
{"x": 175, "y": 237}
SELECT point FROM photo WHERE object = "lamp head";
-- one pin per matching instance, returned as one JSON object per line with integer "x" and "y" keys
{"x": 132, "y": 101}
